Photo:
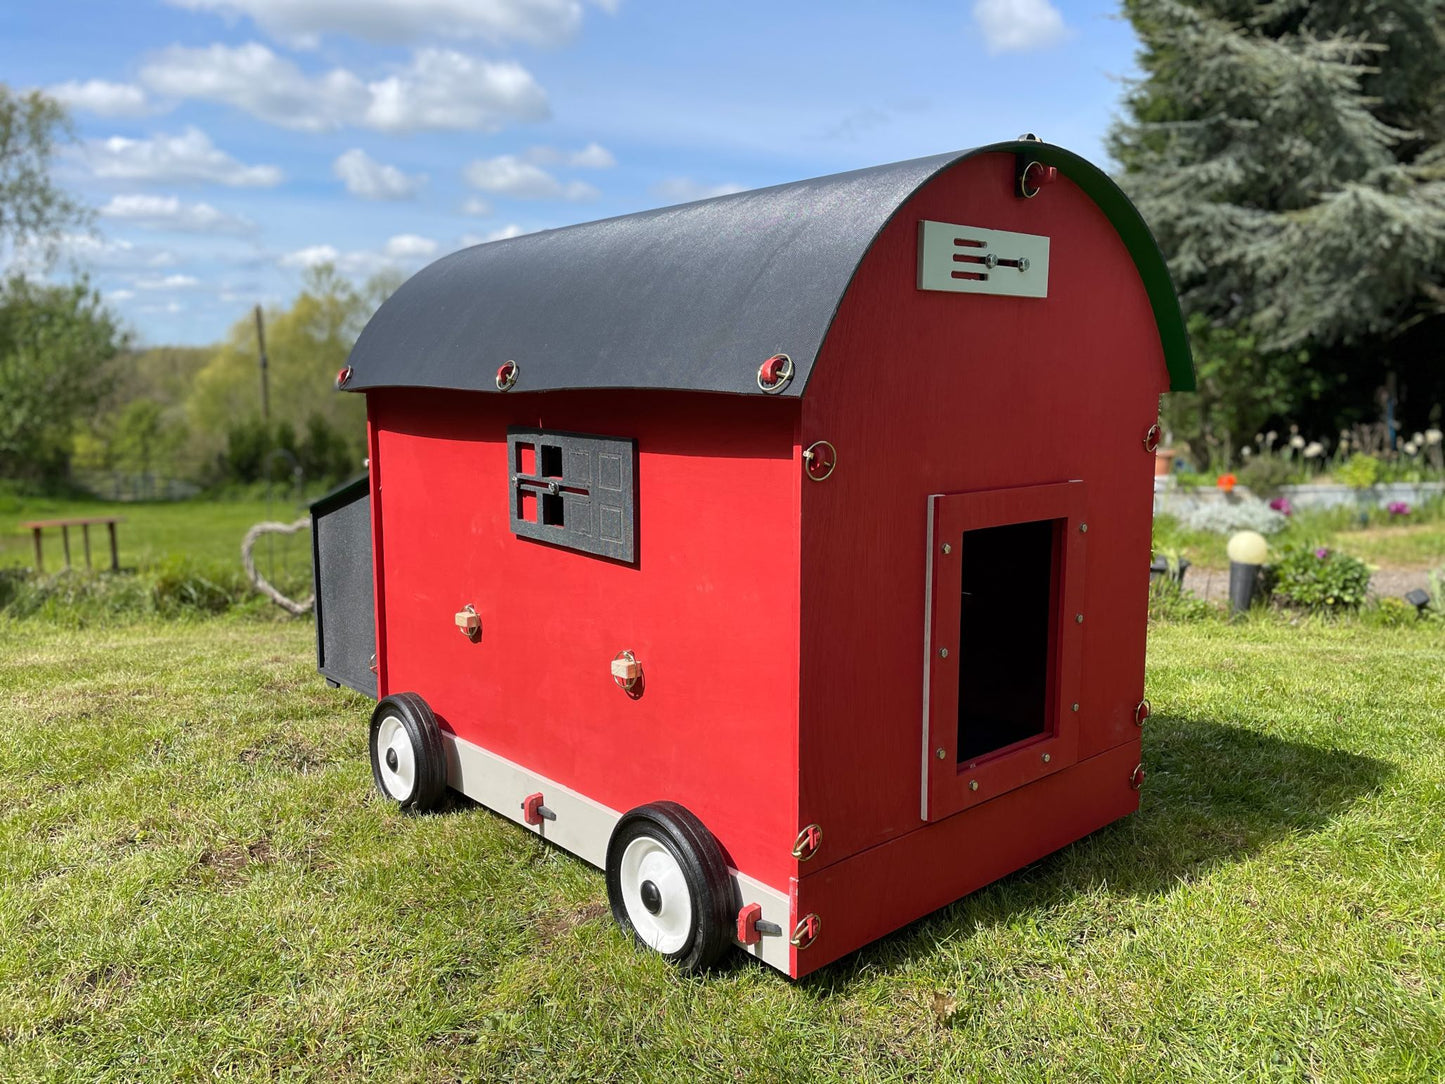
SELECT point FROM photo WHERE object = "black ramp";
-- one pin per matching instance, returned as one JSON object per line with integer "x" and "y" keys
{"x": 345, "y": 600}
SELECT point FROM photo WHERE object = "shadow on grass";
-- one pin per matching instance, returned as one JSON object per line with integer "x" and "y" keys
{"x": 1215, "y": 794}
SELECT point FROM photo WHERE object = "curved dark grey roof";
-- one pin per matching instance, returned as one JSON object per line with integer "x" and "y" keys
{"x": 692, "y": 297}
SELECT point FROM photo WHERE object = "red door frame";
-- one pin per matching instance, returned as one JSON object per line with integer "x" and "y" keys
{"x": 948, "y": 785}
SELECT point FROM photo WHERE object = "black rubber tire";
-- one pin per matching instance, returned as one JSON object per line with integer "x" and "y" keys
{"x": 421, "y": 728}
{"x": 709, "y": 884}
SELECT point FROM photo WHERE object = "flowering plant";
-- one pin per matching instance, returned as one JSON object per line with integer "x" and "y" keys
{"x": 1321, "y": 579}
{"x": 1397, "y": 508}
{"x": 1282, "y": 506}
{"x": 1226, "y": 482}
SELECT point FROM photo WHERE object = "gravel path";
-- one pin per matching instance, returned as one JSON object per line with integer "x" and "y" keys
{"x": 1213, "y": 583}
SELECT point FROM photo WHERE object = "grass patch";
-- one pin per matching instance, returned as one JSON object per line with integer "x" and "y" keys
{"x": 199, "y": 882}
{"x": 204, "y": 532}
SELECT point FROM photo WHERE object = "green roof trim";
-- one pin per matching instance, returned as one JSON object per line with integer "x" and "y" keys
{"x": 1134, "y": 232}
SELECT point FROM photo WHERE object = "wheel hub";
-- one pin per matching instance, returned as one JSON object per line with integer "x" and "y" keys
{"x": 651, "y": 897}
{"x": 391, "y": 759}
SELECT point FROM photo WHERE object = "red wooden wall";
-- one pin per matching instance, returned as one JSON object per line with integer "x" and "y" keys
{"x": 710, "y": 607}
{"x": 926, "y": 392}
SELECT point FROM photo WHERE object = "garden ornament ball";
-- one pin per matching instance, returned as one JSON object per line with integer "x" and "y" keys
{"x": 1248, "y": 548}
{"x": 1247, "y": 552}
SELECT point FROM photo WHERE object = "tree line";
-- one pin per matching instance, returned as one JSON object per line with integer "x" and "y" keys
{"x": 1289, "y": 156}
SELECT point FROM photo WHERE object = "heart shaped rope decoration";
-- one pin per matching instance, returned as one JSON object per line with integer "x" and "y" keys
{"x": 249, "y": 543}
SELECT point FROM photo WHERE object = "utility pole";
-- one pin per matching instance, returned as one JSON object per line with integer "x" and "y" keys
{"x": 265, "y": 391}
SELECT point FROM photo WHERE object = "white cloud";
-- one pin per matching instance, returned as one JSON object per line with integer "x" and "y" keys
{"x": 477, "y": 207}
{"x": 685, "y": 189}
{"x": 106, "y": 253}
{"x": 169, "y": 213}
{"x": 364, "y": 176}
{"x": 508, "y": 175}
{"x": 404, "y": 249}
{"x": 445, "y": 89}
{"x": 592, "y": 156}
{"x": 101, "y": 98}
{"x": 439, "y": 89}
{"x": 190, "y": 156}
{"x": 302, "y": 22}
{"x": 1016, "y": 26}
{"x": 165, "y": 282}
{"x": 119, "y": 295}
{"x": 409, "y": 246}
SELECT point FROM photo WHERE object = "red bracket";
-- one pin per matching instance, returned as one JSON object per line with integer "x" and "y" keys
{"x": 748, "y": 924}
{"x": 534, "y": 812}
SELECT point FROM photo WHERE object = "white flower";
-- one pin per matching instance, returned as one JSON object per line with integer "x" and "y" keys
{"x": 1259, "y": 438}
{"x": 1410, "y": 447}
{"x": 1296, "y": 441}
{"x": 1432, "y": 436}
{"x": 1271, "y": 436}
{"x": 1246, "y": 451}
{"x": 1314, "y": 449}
{"x": 1418, "y": 438}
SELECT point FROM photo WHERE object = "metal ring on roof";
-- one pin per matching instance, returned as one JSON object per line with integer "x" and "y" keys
{"x": 507, "y": 375}
{"x": 775, "y": 373}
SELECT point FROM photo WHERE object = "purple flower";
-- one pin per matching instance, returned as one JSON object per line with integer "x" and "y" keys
{"x": 1398, "y": 508}
{"x": 1282, "y": 505}
{"x": 1322, "y": 553}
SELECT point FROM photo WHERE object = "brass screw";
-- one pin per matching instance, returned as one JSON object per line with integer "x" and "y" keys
{"x": 940, "y": 753}
{"x": 973, "y": 784}
{"x": 1046, "y": 758}
{"x": 947, "y": 549}
{"x": 1078, "y": 619}
{"x": 1074, "y": 707}
{"x": 1083, "y": 528}
{"x": 943, "y": 652}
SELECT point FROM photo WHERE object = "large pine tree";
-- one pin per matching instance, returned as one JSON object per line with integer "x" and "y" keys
{"x": 1290, "y": 157}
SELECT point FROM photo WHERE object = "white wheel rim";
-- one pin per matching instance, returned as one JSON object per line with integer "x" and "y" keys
{"x": 644, "y": 860}
{"x": 392, "y": 737}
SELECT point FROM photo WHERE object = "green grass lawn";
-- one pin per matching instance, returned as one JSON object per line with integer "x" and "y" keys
{"x": 199, "y": 882}
{"x": 208, "y": 532}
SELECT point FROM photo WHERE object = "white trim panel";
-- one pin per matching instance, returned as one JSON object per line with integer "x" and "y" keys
{"x": 583, "y": 827}
{"x": 973, "y": 260}
{"x": 927, "y": 651}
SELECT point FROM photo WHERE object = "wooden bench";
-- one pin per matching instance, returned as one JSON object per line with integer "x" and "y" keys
{"x": 38, "y": 527}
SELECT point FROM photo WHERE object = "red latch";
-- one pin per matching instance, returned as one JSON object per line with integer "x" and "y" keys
{"x": 1037, "y": 175}
{"x": 748, "y": 924}
{"x": 534, "y": 812}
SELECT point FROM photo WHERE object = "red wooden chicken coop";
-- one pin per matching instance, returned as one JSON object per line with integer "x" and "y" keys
{"x": 782, "y": 554}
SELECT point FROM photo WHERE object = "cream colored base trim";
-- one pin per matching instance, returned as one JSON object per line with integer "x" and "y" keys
{"x": 583, "y": 827}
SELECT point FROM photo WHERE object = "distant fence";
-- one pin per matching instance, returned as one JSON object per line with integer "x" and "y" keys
{"x": 122, "y": 486}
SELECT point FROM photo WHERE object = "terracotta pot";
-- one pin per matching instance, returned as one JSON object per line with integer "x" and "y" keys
{"x": 1164, "y": 462}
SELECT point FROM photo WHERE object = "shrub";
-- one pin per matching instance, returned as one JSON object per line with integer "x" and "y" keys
{"x": 1264, "y": 474}
{"x": 1224, "y": 517}
{"x": 1358, "y": 472}
{"x": 1169, "y": 601}
{"x": 1321, "y": 580}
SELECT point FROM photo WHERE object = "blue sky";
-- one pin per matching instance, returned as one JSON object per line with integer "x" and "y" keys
{"x": 228, "y": 144}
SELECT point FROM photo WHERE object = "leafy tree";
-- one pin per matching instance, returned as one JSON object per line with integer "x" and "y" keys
{"x": 1290, "y": 156}
{"x": 33, "y": 210}
{"x": 55, "y": 346}
{"x": 305, "y": 346}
